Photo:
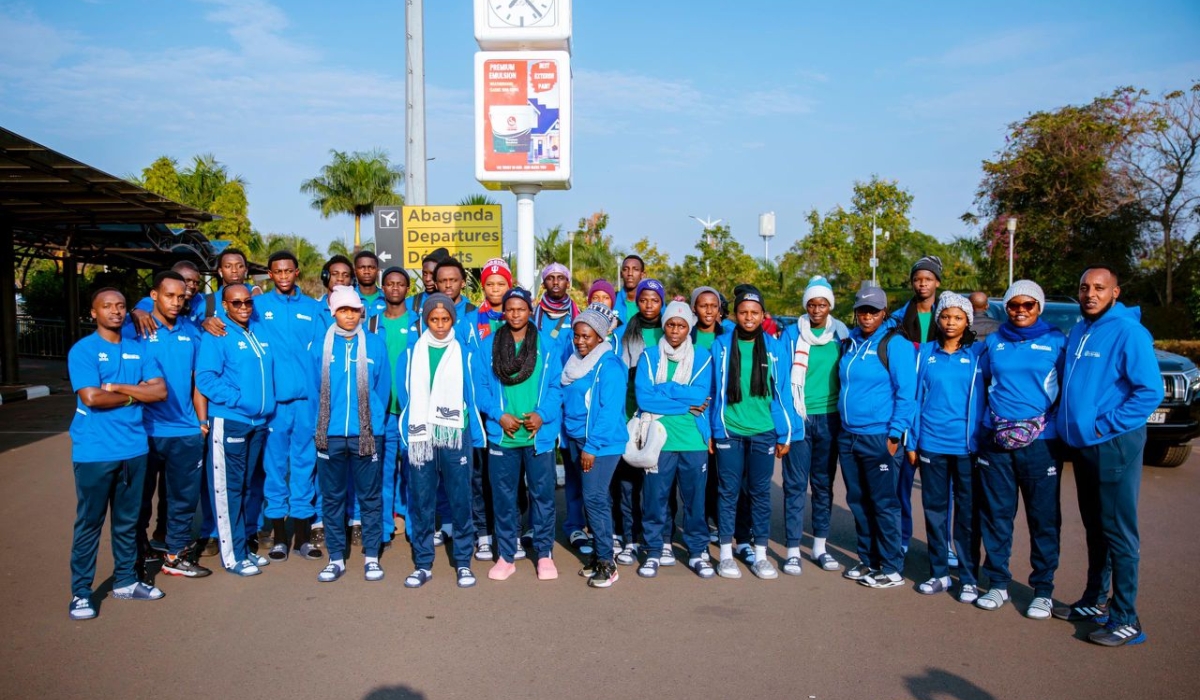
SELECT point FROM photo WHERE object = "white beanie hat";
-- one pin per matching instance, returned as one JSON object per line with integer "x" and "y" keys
{"x": 954, "y": 300}
{"x": 679, "y": 309}
{"x": 1026, "y": 288}
{"x": 818, "y": 288}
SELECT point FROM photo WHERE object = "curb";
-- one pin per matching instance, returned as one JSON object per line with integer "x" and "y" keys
{"x": 29, "y": 392}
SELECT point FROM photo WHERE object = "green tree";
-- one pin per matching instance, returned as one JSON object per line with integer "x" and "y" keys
{"x": 207, "y": 185}
{"x": 474, "y": 200}
{"x": 595, "y": 254}
{"x": 1162, "y": 161}
{"x": 1058, "y": 174}
{"x": 162, "y": 177}
{"x": 355, "y": 184}
{"x": 720, "y": 262}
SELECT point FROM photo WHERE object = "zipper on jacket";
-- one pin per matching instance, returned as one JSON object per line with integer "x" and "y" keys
{"x": 262, "y": 372}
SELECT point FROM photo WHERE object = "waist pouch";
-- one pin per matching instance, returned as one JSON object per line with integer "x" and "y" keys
{"x": 1015, "y": 434}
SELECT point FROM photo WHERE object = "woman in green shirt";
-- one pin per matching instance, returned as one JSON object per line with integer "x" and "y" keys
{"x": 520, "y": 394}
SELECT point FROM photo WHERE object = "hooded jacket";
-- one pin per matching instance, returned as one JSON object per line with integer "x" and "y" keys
{"x": 343, "y": 384}
{"x": 788, "y": 428}
{"x": 474, "y": 420}
{"x": 594, "y": 408}
{"x": 1111, "y": 380}
{"x": 490, "y": 392}
{"x": 672, "y": 398}
{"x": 1023, "y": 378}
{"x": 289, "y": 323}
{"x": 950, "y": 392}
{"x": 236, "y": 373}
{"x": 874, "y": 399}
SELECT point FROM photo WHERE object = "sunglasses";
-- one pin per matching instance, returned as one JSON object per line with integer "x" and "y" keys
{"x": 1025, "y": 306}
{"x": 240, "y": 303}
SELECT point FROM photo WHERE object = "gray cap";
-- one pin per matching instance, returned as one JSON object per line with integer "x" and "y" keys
{"x": 870, "y": 296}
{"x": 701, "y": 290}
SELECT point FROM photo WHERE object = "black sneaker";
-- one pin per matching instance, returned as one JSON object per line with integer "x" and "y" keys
{"x": 356, "y": 535}
{"x": 182, "y": 566}
{"x": 589, "y": 569}
{"x": 1115, "y": 635}
{"x": 1079, "y": 611}
{"x": 606, "y": 575}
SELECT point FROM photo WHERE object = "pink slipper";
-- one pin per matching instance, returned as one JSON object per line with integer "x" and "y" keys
{"x": 546, "y": 569}
{"x": 501, "y": 570}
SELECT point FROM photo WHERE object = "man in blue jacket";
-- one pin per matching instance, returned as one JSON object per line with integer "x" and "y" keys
{"x": 235, "y": 373}
{"x": 1111, "y": 385}
{"x": 289, "y": 322}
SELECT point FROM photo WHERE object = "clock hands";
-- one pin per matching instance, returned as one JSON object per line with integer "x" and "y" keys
{"x": 533, "y": 7}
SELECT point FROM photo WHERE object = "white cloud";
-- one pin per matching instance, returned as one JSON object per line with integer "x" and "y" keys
{"x": 776, "y": 102}
{"x": 997, "y": 48}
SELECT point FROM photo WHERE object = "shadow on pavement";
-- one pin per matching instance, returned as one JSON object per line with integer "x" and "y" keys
{"x": 940, "y": 684}
{"x": 394, "y": 692}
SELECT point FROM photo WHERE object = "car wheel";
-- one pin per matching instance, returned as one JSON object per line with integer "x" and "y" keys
{"x": 1160, "y": 455}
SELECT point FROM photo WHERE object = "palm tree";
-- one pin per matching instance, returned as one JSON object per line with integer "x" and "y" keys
{"x": 355, "y": 184}
{"x": 474, "y": 200}
{"x": 308, "y": 254}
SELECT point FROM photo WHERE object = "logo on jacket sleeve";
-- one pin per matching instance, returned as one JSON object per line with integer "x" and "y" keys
{"x": 102, "y": 357}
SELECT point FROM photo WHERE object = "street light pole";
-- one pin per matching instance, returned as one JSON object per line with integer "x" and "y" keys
{"x": 571, "y": 254}
{"x": 1012, "y": 230}
{"x": 875, "y": 249}
{"x": 766, "y": 230}
{"x": 709, "y": 224}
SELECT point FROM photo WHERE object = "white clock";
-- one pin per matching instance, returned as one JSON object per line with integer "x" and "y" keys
{"x": 523, "y": 24}
{"x": 521, "y": 13}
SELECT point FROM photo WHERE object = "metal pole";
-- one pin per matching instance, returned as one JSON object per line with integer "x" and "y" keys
{"x": 1011, "y": 231}
{"x": 71, "y": 288}
{"x": 526, "y": 250}
{"x": 9, "y": 371}
{"x": 571, "y": 260}
{"x": 414, "y": 88}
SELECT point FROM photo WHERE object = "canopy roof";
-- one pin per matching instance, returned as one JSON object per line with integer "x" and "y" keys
{"x": 42, "y": 187}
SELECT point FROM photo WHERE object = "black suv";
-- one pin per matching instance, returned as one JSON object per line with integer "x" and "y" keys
{"x": 1176, "y": 422}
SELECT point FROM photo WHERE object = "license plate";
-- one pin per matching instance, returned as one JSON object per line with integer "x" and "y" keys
{"x": 1158, "y": 417}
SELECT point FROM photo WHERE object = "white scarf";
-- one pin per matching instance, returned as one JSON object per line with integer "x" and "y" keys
{"x": 577, "y": 367}
{"x": 684, "y": 355}
{"x": 435, "y": 414}
{"x": 800, "y": 357}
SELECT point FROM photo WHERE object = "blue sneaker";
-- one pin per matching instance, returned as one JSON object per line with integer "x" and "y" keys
{"x": 1114, "y": 634}
{"x": 245, "y": 568}
{"x": 81, "y": 608}
{"x": 138, "y": 591}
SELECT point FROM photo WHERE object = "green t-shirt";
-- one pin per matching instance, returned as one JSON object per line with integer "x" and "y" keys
{"x": 520, "y": 399}
{"x": 631, "y": 309}
{"x": 435, "y": 358}
{"x": 494, "y": 325}
{"x": 924, "y": 319}
{"x": 821, "y": 382}
{"x": 682, "y": 433}
{"x": 705, "y": 340}
{"x": 395, "y": 337}
{"x": 752, "y": 415}
{"x": 651, "y": 336}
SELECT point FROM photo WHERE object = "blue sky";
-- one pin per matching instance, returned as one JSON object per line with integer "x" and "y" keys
{"x": 706, "y": 107}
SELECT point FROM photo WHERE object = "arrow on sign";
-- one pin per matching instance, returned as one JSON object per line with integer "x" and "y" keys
{"x": 385, "y": 256}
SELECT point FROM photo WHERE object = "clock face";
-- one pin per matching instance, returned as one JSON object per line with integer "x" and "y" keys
{"x": 521, "y": 13}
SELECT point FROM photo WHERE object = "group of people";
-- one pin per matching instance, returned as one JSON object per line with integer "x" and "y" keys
{"x": 311, "y": 425}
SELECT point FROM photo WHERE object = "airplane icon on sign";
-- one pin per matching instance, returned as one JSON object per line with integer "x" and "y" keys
{"x": 387, "y": 219}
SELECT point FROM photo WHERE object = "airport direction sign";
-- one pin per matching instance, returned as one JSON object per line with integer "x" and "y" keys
{"x": 472, "y": 233}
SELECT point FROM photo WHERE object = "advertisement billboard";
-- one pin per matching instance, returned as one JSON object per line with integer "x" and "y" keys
{"x": 523, "y": 118}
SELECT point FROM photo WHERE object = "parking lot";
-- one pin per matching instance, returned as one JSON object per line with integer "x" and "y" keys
{"x": 284, "y": 635}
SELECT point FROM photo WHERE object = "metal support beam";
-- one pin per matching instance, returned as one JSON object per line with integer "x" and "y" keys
{"x": 71, "y": 289}
{"x": 9, "y": 371}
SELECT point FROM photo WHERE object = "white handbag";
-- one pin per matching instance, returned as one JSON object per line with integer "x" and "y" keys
{"x": 646, "y": 439}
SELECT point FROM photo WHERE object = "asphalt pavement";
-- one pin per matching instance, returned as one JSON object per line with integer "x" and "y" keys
{"x": 283, "y": 635}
